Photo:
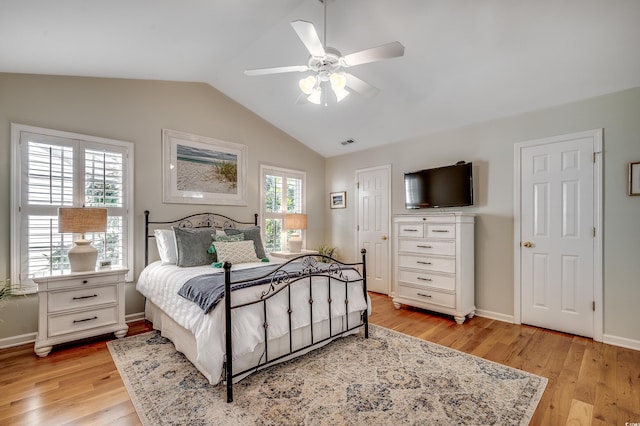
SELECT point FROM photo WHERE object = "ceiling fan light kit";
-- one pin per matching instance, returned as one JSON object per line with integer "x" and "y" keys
{"x": 325, "y": 64}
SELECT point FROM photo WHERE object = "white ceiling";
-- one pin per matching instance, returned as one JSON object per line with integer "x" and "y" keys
{"x": 465, "y": 61}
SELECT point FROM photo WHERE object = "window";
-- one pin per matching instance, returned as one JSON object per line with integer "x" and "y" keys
{"x": 283, "y": 191}
{"x": 54, "y": 169}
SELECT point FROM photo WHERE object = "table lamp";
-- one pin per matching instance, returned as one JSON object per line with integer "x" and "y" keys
{"x": 295, "y": 221}
{"x": 83, "y": 256}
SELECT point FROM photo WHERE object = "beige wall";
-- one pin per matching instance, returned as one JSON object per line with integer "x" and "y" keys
{"x": 490, "y": 147}
{"x": 136, "y": 111}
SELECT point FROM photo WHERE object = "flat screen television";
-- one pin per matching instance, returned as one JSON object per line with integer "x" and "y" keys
{"x": 449, "y": 186}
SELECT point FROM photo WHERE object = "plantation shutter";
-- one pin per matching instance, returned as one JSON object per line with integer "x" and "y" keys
{"x": 282, "y": 193}
{"x": 59, "y": 169}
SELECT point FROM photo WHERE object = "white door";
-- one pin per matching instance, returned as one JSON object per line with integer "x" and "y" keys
{"x": 373, "y": 225}
{"x": 557, "y": 250}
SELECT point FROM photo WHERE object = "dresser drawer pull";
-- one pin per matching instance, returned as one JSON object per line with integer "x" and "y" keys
{"x": 423, "y": 295}
{"x": 85, "y": 281}
{"x": 410, "y": 230}
{"x": 424, "y": 279}
{"x": 86, "y": 319}
{"x": 422, "y": 262}
{"x": 421, "y": 246}
{"x": 440, "y": 230}
{"x": 84, "y": 297}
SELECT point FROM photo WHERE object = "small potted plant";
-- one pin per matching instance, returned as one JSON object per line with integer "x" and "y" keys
{"x": 328, "y": 250}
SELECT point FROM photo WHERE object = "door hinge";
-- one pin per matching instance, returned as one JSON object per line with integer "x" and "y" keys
{"x": 358, "y": 185}
{"x": 593, "y": 305}
{"x": 594, "y": 232}
{"x": 594, "y": 157}
{"x": 358, "y": 228}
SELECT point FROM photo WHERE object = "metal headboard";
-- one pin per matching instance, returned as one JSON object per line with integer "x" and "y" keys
{"x": 197, "y": 220}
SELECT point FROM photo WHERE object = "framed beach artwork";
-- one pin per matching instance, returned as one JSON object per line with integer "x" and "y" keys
{"x": 338, "y": 200}
{"x": 202, "y": 170}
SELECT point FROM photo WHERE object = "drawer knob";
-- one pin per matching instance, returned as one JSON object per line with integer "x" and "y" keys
{"x": 84, "y": 297}
{"x": 86, "y": 319}
{"x": 424, "y": 295}
{"x": 84, "y": 281}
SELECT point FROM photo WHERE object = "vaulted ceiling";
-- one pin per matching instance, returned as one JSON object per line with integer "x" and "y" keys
{"x": 465, "y": 61}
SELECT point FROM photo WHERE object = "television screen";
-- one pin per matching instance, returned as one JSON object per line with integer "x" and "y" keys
{"x": 449, "y": 186}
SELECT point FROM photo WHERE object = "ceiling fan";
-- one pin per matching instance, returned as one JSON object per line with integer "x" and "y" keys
{"x": 326, "y": 64}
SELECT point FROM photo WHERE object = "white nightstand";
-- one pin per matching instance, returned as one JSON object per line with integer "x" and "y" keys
{"x": 288, "y": 255}
{"x": 79, "y": 305}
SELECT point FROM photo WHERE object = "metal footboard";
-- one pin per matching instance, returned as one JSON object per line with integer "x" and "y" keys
{"x": 280, "y": 280}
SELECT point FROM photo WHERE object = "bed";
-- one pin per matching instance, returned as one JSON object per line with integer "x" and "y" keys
{"x": 277, "y": 310}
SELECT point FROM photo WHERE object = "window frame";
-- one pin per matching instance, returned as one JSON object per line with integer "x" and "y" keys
{"x": 82, "y": 142}
{"x": 264, "y": 215}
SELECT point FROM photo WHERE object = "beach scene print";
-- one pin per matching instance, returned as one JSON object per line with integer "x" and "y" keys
{"x": 205, "y": 170}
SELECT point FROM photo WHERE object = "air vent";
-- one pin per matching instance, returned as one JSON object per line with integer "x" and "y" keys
{"x": 347, "y": 142}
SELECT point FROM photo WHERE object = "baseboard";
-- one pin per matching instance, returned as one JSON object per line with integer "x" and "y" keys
{"x": 621, "y": 341}
{"x": 134, "y": 317}
{"x": 22, "y": 339}
{"x": 494, "y": 316}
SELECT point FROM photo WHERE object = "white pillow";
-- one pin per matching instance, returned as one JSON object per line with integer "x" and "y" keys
{"x": 166, "y": 242}
{"x": 236, "y": 252}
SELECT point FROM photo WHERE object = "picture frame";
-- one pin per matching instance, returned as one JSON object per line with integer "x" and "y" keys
{"x": 202, "y": 170}
{"x": 338, "y": 200}
{"x": 634, "y": 178}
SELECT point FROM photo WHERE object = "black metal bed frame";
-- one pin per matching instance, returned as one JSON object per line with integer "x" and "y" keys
{"x": 279, "y": 280}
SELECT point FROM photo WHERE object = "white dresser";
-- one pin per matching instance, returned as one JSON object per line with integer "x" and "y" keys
{"x": 434, "y": 263}
{"x": 79, "y": 305}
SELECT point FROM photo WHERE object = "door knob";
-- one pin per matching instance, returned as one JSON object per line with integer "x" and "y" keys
{"x": 527, "y": 244}
{"x": 384, "y": 237}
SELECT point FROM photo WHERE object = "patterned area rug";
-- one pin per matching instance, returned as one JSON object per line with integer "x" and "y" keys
{"x": 390, "y": 378}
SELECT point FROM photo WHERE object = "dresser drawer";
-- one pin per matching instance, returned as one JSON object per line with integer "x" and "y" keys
{"x": 81, "y": 297}
{"x": 54, "y": 283}
{"x": 444, "y": 282}
{"x": 440, "y": 230}
{"x": 447, "y": 248}
{"x": 78, "y": 321}
{"x": 427, "y": 296}
{"x": 439, "y": 264}
{"x": 411, "y": 230}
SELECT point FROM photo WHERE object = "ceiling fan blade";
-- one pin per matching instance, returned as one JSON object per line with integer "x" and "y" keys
{"x": 308, "y": 35}
{"x": 276, "y": 70}
{"x": 361, "y": 87}
{"x": 386, "y": 51}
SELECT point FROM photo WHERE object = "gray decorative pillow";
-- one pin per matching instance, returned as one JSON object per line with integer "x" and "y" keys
{"x": 192, "y": 245}
{"x": 252, "y": 233}
{"x": 238, "y": 252}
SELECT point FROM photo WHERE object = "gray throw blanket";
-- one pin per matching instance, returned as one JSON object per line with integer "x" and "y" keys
{"x": 207, "y": 290}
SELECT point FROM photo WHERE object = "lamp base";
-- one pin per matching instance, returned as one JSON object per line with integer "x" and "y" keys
{"x": 83, "y": 256}
{"x": 295, "y": 244}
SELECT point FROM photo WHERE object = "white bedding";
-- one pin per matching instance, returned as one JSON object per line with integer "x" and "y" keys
{"x": 160, "y": 285}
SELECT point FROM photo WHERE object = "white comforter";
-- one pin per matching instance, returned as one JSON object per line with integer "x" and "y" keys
{"x": 160, "y": 284}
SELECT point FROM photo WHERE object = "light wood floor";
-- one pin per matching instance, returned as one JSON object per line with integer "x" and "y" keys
{"x": 589, "y": 383}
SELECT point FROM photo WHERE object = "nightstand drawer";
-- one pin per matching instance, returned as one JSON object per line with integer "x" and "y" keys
{"x": 440, "y": 264}
{"x": 56, "y": 283}
{"x": 447, "y": 248}
{"x": 441, "y": 230}
{"x": 444, "y": 282}
{"x": 427, "y": 296}
{"x": 69, "y": 323}
{"x": 81, "y": 297}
